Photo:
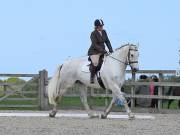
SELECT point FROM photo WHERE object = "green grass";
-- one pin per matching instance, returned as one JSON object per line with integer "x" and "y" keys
{"x": 65, "y": 102}
{"x": 28, "y": 102}
{"x": 21, "y": 108}
{"x": 68, "y": 102}
{"x": 174, "y": 105}
{"x": 75, "y": 101}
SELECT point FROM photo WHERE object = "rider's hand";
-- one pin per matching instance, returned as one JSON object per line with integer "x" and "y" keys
{"x": 105, "y": 52}
{"x": 111, "y": 51}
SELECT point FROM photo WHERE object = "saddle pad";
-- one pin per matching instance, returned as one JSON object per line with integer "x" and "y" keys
{"x": 85, "y": 67}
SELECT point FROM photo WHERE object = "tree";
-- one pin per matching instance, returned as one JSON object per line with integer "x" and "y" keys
{"x": 15, "y": 80}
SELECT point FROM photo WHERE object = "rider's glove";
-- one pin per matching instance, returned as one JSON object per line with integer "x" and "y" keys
{"x": 104, "y": 52}
{"x": 111, "y": 51}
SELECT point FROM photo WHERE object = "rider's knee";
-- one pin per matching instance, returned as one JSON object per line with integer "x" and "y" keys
{"x": 95, "y": 64}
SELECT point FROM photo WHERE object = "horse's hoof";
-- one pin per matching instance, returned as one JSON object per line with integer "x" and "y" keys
{"x": 52, "y": 114}
{"x": 103, "y": 116}
{"x": 131, "y": 117}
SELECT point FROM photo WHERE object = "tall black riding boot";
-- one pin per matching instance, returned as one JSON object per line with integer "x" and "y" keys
{"x": 93, "y": 73}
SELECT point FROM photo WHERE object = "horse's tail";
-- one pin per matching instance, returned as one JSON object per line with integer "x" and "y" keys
{"x": 53, "y": 86}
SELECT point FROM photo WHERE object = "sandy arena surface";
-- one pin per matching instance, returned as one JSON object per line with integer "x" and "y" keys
{"x": 163, "y": 124}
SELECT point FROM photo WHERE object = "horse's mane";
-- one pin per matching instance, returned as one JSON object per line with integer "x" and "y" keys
{"x": 124, "y": 46}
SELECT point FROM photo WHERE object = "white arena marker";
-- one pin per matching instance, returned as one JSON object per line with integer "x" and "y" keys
{"x": 72, "y": 115}
{"x": 75, "y": 115}
{"x": 23, "y": 115}
{"x": 126, "y": 117}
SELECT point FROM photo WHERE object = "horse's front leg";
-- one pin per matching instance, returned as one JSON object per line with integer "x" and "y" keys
{"x": 117, "y": 91}
{"x": 128, "y": 110}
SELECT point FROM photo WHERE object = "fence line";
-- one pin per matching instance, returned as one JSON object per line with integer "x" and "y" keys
{"x": 39, "y": 92}
{"x": 134, "y": 84}
{"x": 42, "y": 77}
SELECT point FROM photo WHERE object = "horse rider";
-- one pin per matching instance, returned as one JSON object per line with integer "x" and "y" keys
{"x": 99, "y": 38}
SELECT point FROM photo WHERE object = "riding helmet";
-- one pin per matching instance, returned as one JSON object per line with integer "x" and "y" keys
{"x": 98, "y": 22}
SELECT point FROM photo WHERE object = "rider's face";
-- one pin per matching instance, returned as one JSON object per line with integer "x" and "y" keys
{"x": 100, "y": 28}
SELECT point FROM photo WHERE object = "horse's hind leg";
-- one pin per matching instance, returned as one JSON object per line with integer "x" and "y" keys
{"x": 58, "y": 98}
{"x": 54, "y": 110}
{"x": 83, "y": 97}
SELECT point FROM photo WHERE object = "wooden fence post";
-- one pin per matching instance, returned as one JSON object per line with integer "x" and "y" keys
{"x": 133, "y": 90}
{"x": 160, "y": 91}
{"x": 43, "y": 101}
{"x": 5, "y": 89}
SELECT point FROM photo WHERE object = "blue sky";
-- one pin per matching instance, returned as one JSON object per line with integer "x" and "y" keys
{"x": 40, "y": 34}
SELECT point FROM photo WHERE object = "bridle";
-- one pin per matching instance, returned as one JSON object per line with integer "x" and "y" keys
{"x": 128, "y": 61}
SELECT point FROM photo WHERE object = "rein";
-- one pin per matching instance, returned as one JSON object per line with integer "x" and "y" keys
{"x": 126, "y": 63}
